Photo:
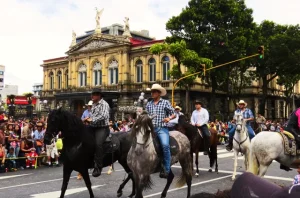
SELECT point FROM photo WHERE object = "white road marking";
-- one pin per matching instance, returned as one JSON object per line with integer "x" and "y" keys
{"x": 195, "y": 184}
{"x": 56, "y": 194}
{"x": 219, "y": 151}
{"x": 12, "y": 176}
{"x": 225, "y": 155}
{"x": 52, "y": 180}
{"x": 239, "y": 173}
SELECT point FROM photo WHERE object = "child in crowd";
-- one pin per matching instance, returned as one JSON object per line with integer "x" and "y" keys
{"x": 31, "y": 158}
{"x": 10, "y": 159}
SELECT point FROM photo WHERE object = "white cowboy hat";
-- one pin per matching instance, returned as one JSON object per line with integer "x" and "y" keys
{"x": 90, "y": 103}
{"x": 178, "y": 107}
{"x": 242, "y": 102}
{"x": 159, "y": 88}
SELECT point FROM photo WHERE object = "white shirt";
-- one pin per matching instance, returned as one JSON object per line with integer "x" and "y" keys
{"x": 174, "y": 121}
{"x": 200, "y": 117}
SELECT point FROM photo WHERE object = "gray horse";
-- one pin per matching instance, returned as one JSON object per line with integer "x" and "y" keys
{"x": 143, "y": 159}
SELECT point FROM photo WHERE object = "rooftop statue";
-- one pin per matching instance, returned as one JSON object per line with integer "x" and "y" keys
{"x": 98, "y": 16}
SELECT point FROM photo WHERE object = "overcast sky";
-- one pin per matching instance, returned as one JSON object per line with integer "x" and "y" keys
{"x": 34, "y": 30}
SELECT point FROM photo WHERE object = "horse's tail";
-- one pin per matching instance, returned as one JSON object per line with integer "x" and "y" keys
{"x": 253, "y": 162}
{"x": 187, "y": 172}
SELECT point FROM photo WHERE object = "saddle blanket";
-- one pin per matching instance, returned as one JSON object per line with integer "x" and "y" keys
{"x": 289, "y": 144}
{"x": 174, "y": 147}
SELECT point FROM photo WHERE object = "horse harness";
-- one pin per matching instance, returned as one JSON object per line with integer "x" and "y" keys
{"x": 240, "y": 143}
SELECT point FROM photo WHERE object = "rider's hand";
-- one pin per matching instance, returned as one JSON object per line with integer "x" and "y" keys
{"x": 89, "y": 119}
{"x": 198, "y": 125}
{"x": 166, "y": 120}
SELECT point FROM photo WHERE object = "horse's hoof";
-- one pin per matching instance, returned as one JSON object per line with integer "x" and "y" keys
{"x": 210, "y": 170}
{"x": 197, "y": 174}
{"x": 119, "y": 194}
{"x": 131, "y": 196}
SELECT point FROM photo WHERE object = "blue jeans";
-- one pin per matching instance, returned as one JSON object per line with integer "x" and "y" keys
{"x": 164, "y": 138}
{"x": 250, "y": 131}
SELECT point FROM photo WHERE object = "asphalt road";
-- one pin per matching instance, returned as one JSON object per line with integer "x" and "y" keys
{"x": 46, "y": 182}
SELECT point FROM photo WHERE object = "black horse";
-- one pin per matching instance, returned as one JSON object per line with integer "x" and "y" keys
{"x": 79, "y": 146}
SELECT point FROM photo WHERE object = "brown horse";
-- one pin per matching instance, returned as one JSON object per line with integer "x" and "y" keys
{"x": 197, "y": 142}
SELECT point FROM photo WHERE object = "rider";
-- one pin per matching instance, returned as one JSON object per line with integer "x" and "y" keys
{"x": 293, "y": 126}
{"x": 172, "y": 124}
{"x": 200, "y": 119}
{"x": 164, "y": 113}
{"x": 99, "y": 121}
{"x": 247, "y": 116}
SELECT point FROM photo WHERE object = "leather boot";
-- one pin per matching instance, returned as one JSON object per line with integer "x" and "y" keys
{"x": 286, "y": 168}
{"x": 163, "y": 173}
{"x": 97, "y": 169}
{"x": 230, "y": 144}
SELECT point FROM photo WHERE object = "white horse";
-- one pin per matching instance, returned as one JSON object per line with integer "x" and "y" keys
{"x": 266, "y": 147}
{"x": 241, "y": 142}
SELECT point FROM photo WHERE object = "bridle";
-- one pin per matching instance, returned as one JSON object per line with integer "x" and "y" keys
{"x": 239, "y": 131}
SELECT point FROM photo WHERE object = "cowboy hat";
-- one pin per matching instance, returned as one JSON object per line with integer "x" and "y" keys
{"x": 242, "y": 102}
{"x": 90, "y": 103}
{"x": 178, "y": 107}
{"x": 198, "y": 102}
{"x": 159, "y": 88}
{"x": 295, "y": 164}
{"x": 39, "y": 124}
{"x": 97, "y": 91}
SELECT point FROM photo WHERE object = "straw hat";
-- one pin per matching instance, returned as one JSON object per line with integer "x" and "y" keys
{"x": 90, "y": 103}
{"x": 39, "y": 124}
{"x": 178, "y": 107}
{"x": 159, "y": 88}
{"x": 242, "y": 102}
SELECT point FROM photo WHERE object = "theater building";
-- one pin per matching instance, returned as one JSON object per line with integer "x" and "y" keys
{"x": 119, "y": 62}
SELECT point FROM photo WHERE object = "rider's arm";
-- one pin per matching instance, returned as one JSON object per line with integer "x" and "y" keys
{"x": 251, "y": 115}
{"x": 206, "y": 115}
{"x": 192, "y": 118}
{"x": 170, "y": 110}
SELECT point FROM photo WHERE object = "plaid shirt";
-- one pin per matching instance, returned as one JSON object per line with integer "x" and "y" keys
{"x": 162, "y": 110}
{"x": 296, "y": 180}
{"x": 100, "y": 114}
{"x": 246, "y": 114}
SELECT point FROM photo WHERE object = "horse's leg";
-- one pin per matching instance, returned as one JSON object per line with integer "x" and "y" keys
{"x": 138, "y": 186}
{"x": 247, "y": 156}
{"x": 169, "y": 181}
{"x": 262, "y": 170}
{"x": 120, "y": 190}
{"x": 196, "y": 162}
{"x": 86, "y": 178}
{"x": 66, "y": 177}
{"x": 235, "y": 164}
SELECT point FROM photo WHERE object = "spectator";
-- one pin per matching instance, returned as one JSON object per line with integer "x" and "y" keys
{"x": 14, "y": 142}
{"x": 27, "y": 130}
{"x": 10, "y": 160}
{"x": 25, "y": 148}
{"x": 52, "y": 152}
{"x": 38, "y": 138}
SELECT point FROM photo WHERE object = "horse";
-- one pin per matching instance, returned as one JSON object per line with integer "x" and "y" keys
{"x": 144, "y": 157}
{"x": 197, "y": 143}
{"x": 241, "y": 143}
{"x": 79, "y": 146}
{"x": 265, "y": 147}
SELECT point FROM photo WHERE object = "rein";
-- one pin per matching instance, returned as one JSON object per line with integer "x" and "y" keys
{"x": 240, "y": 143}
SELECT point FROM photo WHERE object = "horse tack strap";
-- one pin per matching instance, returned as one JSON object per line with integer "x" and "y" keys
{"x": 289, "y": 150}
{"x": 240, "y": 143}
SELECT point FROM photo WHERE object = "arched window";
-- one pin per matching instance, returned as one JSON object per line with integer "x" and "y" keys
{"x": 67, "y": 79}
{"x": 165, "y": 67}
{"x": 82, "y": 75}
{"x": 152, "y": 70}
{"x": 59, "y": 79}
{"x": 97, "y": 74}
{"x": 139, "y": 71}
{"x": 51, "y": 80}
{"x": 113, "y": 72}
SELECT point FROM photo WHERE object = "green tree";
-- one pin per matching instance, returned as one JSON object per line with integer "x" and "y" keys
{"x": 221, "y": 30}
{"x": 184, "y": 57}
{"x": 282, "y": 55}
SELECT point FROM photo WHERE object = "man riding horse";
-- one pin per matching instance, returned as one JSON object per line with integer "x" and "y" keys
{"x": 163, "y": 112}
{"x": 200, "y": 119}
{"x": 248, "y": 116}
{"x": 99, "y": 122}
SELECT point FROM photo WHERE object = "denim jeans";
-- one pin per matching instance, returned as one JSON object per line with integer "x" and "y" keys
{"x": 249, "y": 128}
{"x": 164, "y": 138}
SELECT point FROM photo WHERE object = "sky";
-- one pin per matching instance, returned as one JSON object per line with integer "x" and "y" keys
{"x": 35, "y": 30}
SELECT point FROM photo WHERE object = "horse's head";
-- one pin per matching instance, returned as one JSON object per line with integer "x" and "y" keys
{"x": 143, "y": 129}
{"x": 239, "y": 121}
{"x": 54, "y": 125}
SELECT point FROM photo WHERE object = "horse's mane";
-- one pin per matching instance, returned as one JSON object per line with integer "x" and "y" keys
{"x": 72, "y": 125}
{"x": 143, "y": 121}
{"x": 182, "y": 122}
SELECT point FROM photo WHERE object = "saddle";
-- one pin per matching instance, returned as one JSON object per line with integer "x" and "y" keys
{"x": 111, "y": 144}
{"x": 174, "y": 146}
{"x": 289, "y": 144}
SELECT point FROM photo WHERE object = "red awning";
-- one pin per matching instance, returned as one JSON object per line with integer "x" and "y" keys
{"x": 22, "y": 100}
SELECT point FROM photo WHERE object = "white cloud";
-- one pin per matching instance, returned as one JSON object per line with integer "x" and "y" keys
{"x": 34, "y": 30}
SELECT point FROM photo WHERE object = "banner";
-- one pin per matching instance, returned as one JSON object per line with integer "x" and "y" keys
{"x": 22, "y": 100}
